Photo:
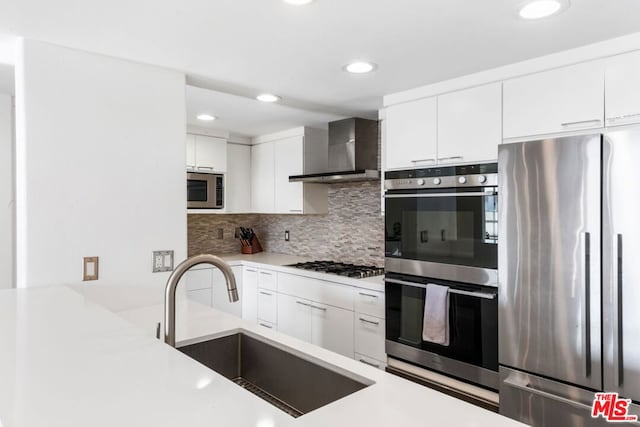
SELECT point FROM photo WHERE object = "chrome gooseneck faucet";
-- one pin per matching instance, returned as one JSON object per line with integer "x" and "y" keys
{"x": 172, "y": 284}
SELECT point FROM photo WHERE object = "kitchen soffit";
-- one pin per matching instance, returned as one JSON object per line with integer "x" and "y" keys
{"x": 248, "y": 47}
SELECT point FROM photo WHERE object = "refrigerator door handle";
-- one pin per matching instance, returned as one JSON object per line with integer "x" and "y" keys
{"x": 529, "y": 389}
{"x": 587, "y": 302}
{"x": 619, "y": 303}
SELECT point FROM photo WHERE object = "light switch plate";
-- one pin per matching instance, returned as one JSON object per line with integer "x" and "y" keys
{"x": 162, "y": 261}
{"x": 90, "y": 268}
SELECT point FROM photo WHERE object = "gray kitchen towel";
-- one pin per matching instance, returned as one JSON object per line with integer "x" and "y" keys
{"x": 435, "y": 326}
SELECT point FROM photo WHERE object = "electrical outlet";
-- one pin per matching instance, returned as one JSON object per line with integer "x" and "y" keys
{"x": 286, "y": 235}
{"x": 90, "y": 268}
{"x": 220, "y": 233}
{"x": 162, "y": 261}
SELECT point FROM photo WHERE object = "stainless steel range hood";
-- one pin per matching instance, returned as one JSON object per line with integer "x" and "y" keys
{"x": 353, "y": 153}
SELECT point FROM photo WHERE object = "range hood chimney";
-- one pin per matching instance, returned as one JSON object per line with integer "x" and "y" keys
{"x": 353, "y": 153}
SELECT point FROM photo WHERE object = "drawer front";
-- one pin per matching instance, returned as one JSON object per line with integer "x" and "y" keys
{"x": 267, "y": 280}
{"x": 267, "y": 306}
{"x": 370, "y": 361}
{"x": 199, "y": 279}
{"x": 320, "y": 291}
{"x": 370, "y": 302}
{"x": 369, "y": 336}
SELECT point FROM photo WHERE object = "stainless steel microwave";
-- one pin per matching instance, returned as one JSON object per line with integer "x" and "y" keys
{"x": 205, "y": 191}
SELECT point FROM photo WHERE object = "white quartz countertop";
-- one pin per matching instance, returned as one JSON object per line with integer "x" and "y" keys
{"x": 66, "y": 361}
{"x": 280, "y": 262}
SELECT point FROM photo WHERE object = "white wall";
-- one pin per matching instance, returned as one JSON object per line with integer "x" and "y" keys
{"x": 100, "y": 166}
{"x": 7, "y": 196}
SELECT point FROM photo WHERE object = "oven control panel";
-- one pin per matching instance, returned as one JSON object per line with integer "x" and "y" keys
{"x": 479, "y": 180}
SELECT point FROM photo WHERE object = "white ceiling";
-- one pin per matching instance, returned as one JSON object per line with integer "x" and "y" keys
{"x": 243, "y": 47}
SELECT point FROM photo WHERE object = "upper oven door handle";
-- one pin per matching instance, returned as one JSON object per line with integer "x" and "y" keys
{"x": 485, "y": 295}
{"x": 420, "y": 195}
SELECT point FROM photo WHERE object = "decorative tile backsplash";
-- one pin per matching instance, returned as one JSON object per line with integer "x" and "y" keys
{"x": 352, "y": 230}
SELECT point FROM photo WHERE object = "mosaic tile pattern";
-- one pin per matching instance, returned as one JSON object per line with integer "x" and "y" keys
{"x": 352, "y": 230}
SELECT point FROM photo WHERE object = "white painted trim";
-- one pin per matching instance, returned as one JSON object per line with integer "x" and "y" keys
{"x": 565, "y": 58}
{"x": 234, "y": 138}
{"x": 299, "y": 131}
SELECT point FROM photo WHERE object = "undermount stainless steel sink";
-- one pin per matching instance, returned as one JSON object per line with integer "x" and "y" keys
{"x": 293, "y": 384}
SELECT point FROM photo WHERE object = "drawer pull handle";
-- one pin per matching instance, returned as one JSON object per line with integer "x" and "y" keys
{"x": 423, "y": 160}
{"x": 266, "y": 326}
{"x": 375, "y": 365}
{"x": 266, "y": 293}
{"x": 319, "y": 308}
{"x": 581, "y": 122}
{"x": 251, "y": 271}
{"x": 369, "y": 321}
{"x": 266, "y": 273}
{"x": 205, "y": 168}
{"x": 306, "y": 304}
{"x": 368, "y": 295}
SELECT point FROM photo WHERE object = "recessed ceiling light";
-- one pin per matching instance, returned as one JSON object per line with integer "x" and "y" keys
{"x": 206, "y": 117}
{"x": 541, "y": 8}
{"x": 267, "y": 97}
{"x": 360, "y": 67}
{"x": 298, "y": 2}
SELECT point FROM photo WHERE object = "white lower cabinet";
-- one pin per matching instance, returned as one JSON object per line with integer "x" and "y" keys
{"x": 203, "y": 296}
{"x": 249, "y": 294}
{"x": 267, "y": 306}
{"x": 332, "y": 328}
{"x": 294, "y": 317}
{"x": 379, "y": 364}
{"x": 369, "y": 336}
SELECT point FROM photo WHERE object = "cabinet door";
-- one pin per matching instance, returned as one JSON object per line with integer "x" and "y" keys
{"x": 267, "y": 306}
{"x": 211, "y": 154}
{"x": 249, "y": 298}
{"x": 411, "y": 134}
{"x": 203, "y": 296}
{"x": 262, "y": 178}
{"x": 238, "y": 179}
{"x": 566, "y": 99}
{"x": 369, "y": 336}
{"x": 622, "y": 85}
{"x": 332, "y": 328}
{"x": 470, "y": 125}
{"x": 294, "y": 317}
{"x": 289, "y": 160}
{"x": 191, "y": 152}
{"x": 221, "y": 295}
{"x": 198, "y": 279}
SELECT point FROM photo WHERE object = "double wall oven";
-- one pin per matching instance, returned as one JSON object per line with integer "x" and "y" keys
{"x": 441, "y": 228}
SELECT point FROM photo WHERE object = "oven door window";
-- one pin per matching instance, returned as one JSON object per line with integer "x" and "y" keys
{"x": 448, "y": 229}
{"x": 197, "y": 190}
{"x": 473, "y": 324}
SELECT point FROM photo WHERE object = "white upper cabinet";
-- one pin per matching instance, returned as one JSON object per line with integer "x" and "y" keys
{"x": 289, "y": 160}
{"x": 238, "y": 179}
{"x": 470, "y": 124}
{"x": 191, "y": 152}
{"x": 411, "y": 134}
{"x": 263, "y": 178}
{"x": 560, "y": 100}
{"x": 211, "y": 154}
{"x": 622, "y": 82}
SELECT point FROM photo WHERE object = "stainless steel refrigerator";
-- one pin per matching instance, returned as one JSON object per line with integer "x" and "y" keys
{"x": 569, "y": 276}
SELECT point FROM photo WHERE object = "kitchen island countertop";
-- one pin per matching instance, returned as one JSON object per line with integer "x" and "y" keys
{"x": 66, "y": 361}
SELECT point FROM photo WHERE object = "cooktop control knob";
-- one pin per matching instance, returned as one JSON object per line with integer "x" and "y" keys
{"x": 462, "y": 180}
{"x": 482, "y": 179}
{"x": 421, "y": 182}
{"x": 437, "y": 181}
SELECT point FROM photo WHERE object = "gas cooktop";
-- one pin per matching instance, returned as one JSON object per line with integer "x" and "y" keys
{"x": 340, "y": 268}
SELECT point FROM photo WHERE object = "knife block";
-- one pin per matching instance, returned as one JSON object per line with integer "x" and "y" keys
{"x": 254, "y": 248}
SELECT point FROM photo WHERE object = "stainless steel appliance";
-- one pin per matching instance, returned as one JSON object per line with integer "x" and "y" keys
{"x": 353, "y": 153}
{"x": 205, "y": 191}
{"x": 441, "y": 227}
{"x": 442, "y": 223}
{"x": 567, "y": 246}
{"x": 340, "y": 268}
{"x": 472, "y": 353}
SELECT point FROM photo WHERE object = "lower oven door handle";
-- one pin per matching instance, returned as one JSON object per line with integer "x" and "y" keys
{"x": 527, "y": 388}
{"x": 420, "y": 195}
{"x": 485, "y": 295}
